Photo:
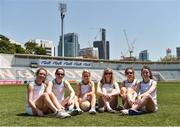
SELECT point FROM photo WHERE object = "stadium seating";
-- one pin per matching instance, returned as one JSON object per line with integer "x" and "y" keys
{"x": 17, "y": 68}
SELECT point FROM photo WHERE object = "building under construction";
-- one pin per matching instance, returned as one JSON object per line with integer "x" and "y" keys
{"x": 89, "y": 52}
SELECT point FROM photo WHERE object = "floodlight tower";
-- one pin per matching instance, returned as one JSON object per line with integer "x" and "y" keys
{"x": 62, "y": 9}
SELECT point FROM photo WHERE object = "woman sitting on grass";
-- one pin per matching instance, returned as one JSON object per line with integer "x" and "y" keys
{"x": 146, "y": 101}
{"x": 38, "y": 101}
{"x": 86, "y": 93}
{"x": 56, "y": 90}
{"x": 108, "y": 91}
{"x": 128, "y": 89}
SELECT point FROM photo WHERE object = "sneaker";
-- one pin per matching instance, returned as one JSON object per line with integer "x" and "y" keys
{"x": 134, "y": 112}
{"x": 125, "y": 112}
{"x": 73, "y": 112}
{"x": 92, "y": 111}
{"x": 79, "y": 111}
{"x": 62, "y": 114}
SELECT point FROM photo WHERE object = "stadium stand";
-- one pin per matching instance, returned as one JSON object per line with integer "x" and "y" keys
{"x": 17, "y": 69}
{"x": 171, "y": 75}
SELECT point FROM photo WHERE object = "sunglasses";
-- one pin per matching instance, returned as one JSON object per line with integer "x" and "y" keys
{"x": 129, "y": 73}
{"x": 60, "y": 74}
{"x": 110, "y": 73}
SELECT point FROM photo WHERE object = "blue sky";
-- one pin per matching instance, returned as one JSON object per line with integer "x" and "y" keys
{"x": 154, "y": 24}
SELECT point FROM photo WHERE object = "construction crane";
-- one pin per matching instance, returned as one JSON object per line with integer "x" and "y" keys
{"x": 97, "y": 34}
{"x": 123, "y": 55}
{"x": 130, "y": 46}
{"x": 90, "y": 44}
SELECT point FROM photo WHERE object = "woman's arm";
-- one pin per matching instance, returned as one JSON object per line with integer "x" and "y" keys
{"x": 136, "y": 87}
{"x": 49, "y": 87}
{"x": 31, "y": 102}
{"x": 78, "y": 87}
{"x": 122, "y": 89}
{"x": 99, "y": 90}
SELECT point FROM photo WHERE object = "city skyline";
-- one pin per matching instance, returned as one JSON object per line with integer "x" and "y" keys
{"x": 155, "y": 25}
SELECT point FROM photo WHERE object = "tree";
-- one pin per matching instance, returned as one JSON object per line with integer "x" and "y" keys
{"x": 11, "y": 48}
{"x": 8, "y": 47}
{"x": 19, "y": 49}
{"x": 30, "y": 47}
{"x": 40, "y": 51}
{"x": 33, "y": 48}
{"x": 2, "y": 37}
{"x": 169, "y": 58}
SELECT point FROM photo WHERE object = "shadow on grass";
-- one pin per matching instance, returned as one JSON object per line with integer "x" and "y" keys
{"x": 27, "y": 115}
{"x": 140, "y": 114}
{"x": 23, "y": 114}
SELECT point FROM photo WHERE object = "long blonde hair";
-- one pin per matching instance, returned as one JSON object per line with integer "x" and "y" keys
{"x": 87, "y": 71}
{"x": 37, "y": 72}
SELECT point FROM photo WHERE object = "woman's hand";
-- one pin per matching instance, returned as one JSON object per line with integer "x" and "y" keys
{"x": 84, "y": 98}
{"x": 39, "y": 112}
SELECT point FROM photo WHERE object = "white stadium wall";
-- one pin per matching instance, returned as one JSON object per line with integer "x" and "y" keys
{"x": 16, "y": 68}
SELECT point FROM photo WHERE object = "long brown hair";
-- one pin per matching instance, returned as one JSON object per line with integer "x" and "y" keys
{"x": 129, "y": 68}
{"x": 103, "y": 80}
{"x": 60, "y": 68}
{"x": 148, "y": 68}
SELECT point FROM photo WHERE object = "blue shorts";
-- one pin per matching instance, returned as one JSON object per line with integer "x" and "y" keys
{"x": 29, "y": 111}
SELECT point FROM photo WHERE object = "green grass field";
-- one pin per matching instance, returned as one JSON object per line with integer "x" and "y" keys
{"x": 13, "y": 100}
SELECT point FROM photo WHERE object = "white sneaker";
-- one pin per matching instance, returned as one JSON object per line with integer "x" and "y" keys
{"x": 79, "y": 111}
{"x": 62, "y": 114}
{"x": 92, "y": 111}
{"x": 73, "y": 112}
{"x": 125, "y": 112}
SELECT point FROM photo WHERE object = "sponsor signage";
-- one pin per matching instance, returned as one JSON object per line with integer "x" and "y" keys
{"x": 11, "y": 82}
{"x": 64, "y": 63}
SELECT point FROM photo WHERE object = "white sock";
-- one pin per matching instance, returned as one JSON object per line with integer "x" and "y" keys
{"x": 71, "y": 107}
{"x": 108, "y": 105}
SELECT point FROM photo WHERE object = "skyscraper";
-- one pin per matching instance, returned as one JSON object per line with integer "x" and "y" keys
{"x": 178, "y": 53}
{"x": 144, "y": 55}
{"x": 103, "y": 45}
{"x": 71, "y": 45}
{"x": 100, "y": 46}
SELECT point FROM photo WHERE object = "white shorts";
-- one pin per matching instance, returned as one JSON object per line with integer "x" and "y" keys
{"x": 87, "y": 98}
{"x": 29, "y": 111}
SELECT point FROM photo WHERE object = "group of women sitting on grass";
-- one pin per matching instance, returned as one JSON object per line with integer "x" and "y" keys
{"x": 49, "y": 97}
